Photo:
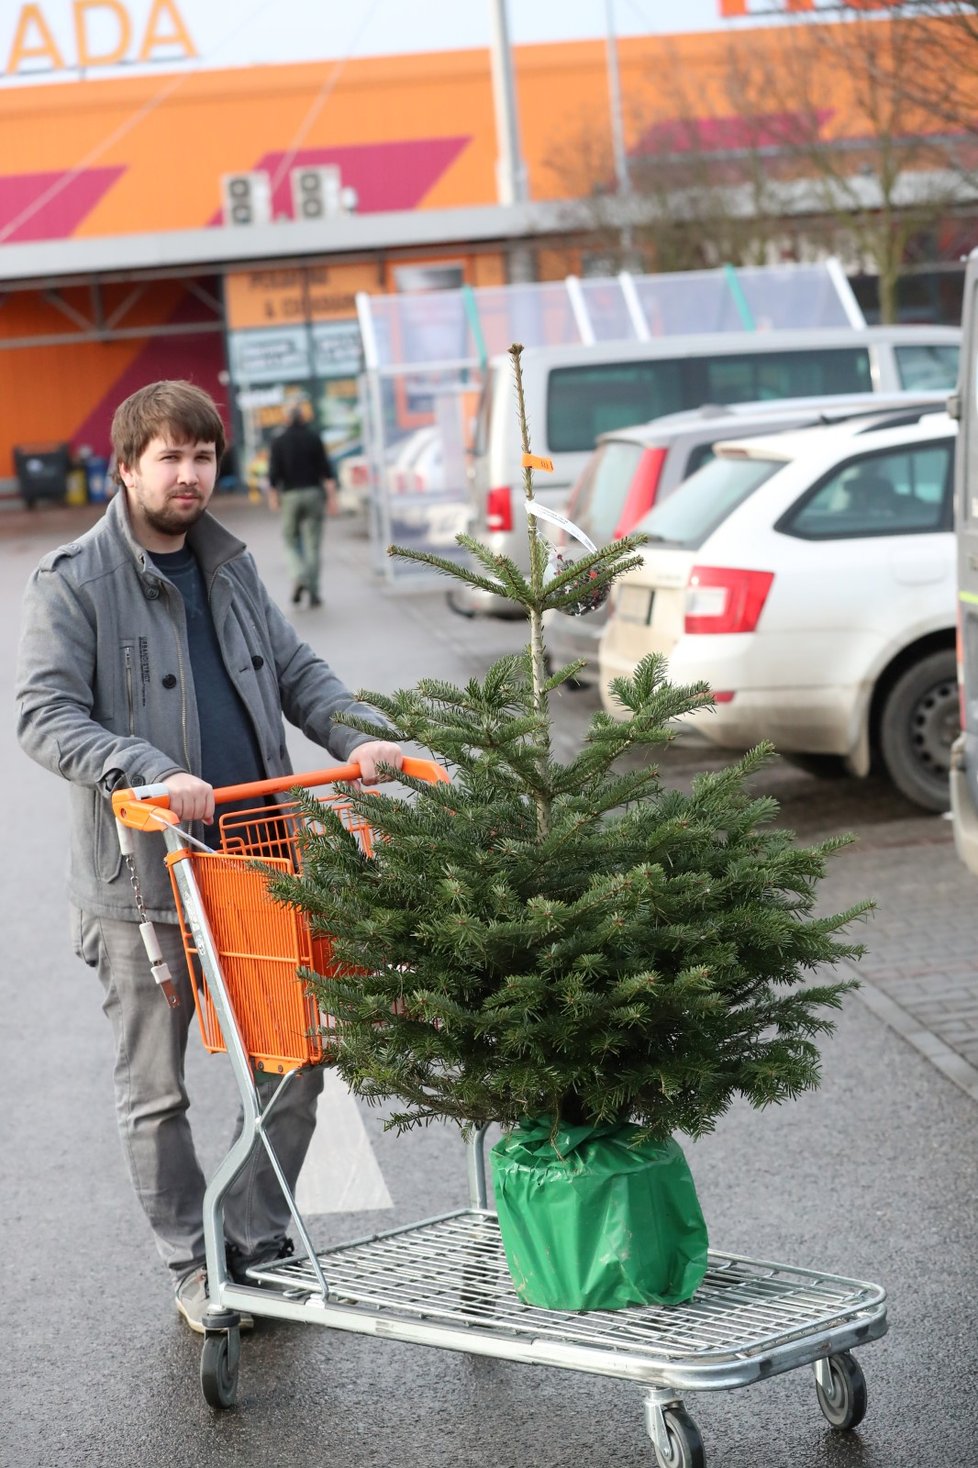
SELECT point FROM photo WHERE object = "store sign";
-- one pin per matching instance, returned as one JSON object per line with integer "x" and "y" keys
{"x": 269, "y": 356}
{"x": 735, "y": 9}
{"x": 338, "y": 349}
{"x": 274, "y": 356}
{"x": 289, "y": 297}
{"x": 87, "y": 35}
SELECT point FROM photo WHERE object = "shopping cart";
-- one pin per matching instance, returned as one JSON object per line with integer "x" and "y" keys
{"x": 444, "y": 1281}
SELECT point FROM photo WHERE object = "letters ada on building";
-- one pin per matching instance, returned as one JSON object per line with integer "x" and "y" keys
{"x": 91, "y": 35}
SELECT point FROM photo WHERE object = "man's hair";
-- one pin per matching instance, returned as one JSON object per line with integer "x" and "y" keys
{"x": 296, "y": 405}
{"x": 175, "y": 409}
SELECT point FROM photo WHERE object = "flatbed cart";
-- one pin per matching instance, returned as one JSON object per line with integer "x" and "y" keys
{"x": 443, "y": 1281}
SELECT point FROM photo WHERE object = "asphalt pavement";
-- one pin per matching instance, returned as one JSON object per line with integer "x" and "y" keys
{"x": 873, "y": 1176}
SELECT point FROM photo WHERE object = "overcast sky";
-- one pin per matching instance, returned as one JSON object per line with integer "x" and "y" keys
{"x": 39, "y": 41}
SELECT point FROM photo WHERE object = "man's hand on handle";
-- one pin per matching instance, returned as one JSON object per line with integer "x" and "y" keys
{"x": 370, "y": 756}
{"x": 190, "y": 799}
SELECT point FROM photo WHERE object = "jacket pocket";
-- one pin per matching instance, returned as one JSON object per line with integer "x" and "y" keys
{"x": 107, "y": 851}
{"x": 85, "y": 937}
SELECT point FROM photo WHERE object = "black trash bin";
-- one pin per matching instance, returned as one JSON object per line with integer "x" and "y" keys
{"x": 42, "y": 471}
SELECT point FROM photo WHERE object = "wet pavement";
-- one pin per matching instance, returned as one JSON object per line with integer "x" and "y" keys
{"x": 874, "y": 1176}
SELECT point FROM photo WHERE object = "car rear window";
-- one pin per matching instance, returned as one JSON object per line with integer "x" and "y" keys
{"x": 584, "y": 402}
{"x": 701, "y": 454}
{"x": 904, "y": 491}
{"x": 923, "y": 367}
{"x": 597, "y": 502}
{"x": 694, "y": 510}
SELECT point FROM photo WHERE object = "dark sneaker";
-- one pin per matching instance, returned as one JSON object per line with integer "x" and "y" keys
{"x": 297, "y": 591}
{"x": 315, "y": 600}
{"x": 238, "y": 1265}
{"x": 192, "y": 1302}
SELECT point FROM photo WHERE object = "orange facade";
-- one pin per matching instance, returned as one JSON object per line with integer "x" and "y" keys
{"x": 138, "y": 153}
{"x": 147, "y": 153}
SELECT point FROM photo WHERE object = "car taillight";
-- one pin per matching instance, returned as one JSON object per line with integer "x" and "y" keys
{"x": 719, "y": 599}
{"x": 499, "y": 508}
{"x": 642, "y": 491}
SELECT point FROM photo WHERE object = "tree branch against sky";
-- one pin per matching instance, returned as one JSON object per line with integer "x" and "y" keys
{"x": 693, "y": 202}
{"x": 943, "y": 78}
{"x": 853, "y": 136}
{"x": 878, "y": 168}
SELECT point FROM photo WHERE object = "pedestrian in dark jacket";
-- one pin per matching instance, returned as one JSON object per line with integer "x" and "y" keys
{"x": 302, "y": 483}
{"x": 151, "y": 654}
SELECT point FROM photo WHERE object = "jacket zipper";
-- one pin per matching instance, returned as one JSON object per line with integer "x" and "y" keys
{"x": 183, "y": 680}
{"x": 130, "y": 701}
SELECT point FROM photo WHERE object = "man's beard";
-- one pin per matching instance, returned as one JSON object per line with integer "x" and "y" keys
{"x": 173, "y": 522}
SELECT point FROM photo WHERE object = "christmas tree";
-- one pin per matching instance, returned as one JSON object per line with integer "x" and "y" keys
{"x": 567, "y": 939}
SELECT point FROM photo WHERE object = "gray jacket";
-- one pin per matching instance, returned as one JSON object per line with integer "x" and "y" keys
{"x": 106, "y": 697}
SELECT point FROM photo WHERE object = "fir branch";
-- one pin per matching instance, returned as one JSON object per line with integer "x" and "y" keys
{"x": 565, "y": 938}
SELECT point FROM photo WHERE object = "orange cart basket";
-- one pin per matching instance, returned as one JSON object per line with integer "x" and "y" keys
{"x": 261, "y": 943}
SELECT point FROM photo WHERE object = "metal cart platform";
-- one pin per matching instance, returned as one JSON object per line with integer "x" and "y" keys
{"x": 444, "y": 1281}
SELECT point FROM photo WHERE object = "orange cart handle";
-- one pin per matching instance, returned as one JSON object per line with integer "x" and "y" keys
{"x": 146, "y": 808}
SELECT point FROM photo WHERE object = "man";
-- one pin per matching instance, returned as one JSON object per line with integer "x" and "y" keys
{"x": 151, "y": 653}
{"x": 301, "y": 483}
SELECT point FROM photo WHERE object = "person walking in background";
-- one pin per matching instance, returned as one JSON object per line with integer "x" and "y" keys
{"x": 302, "y": 483}
{"x": 151, "y": 653}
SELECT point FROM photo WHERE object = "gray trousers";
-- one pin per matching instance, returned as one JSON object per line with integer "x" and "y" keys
{"x": 151, "y": 1104}
{"x": 303, "y": 512}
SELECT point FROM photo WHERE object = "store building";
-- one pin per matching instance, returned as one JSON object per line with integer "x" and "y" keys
{"x": 185, "y": 192}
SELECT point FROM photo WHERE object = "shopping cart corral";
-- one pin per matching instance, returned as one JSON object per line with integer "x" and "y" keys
{"x": 443, "y": 1281}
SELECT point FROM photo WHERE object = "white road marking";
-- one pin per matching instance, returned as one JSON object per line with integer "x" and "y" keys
{"x": 340, "y": 1173}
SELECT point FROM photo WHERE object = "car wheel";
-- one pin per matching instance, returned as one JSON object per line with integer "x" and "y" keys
{"x": 920, "y": 722}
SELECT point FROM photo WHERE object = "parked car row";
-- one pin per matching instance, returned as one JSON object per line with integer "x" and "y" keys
{"x": 634, "y": 469}
{"x": 574, "y": 394}
{"x": 796, "y": 491}
{"x": 809, "y": 578}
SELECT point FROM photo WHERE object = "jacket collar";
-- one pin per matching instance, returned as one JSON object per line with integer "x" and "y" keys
{"x": 210, "y": 542}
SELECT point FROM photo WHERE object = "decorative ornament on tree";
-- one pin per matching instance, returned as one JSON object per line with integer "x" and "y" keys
{"x": 593, "y": 591}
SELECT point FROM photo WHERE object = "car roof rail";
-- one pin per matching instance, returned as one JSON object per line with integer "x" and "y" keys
{"x": 899, "y": 417}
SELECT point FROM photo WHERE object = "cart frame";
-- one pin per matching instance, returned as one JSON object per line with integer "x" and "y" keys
{"x": 443, "y": 1281}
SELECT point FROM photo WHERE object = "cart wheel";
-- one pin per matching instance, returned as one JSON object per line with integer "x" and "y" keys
{"x": 685, "y": 1443}
{"x": 219, "y": 1367}
{"x": 844, "y": 1404}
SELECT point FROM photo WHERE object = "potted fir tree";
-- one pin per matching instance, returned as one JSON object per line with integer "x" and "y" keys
{"x": 577, "y": 952}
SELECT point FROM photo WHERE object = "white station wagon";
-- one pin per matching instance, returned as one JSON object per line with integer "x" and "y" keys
{"x": 809, "y": 578}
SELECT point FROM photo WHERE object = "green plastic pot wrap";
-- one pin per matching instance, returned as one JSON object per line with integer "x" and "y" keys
{"x": 593, "y": 1219}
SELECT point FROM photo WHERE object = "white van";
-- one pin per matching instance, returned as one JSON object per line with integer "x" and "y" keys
{"x": 574, "y": 393}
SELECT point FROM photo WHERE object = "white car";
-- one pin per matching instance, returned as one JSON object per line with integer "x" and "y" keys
{"x": 403, "y": 476}
{"x": 809, "y": 578}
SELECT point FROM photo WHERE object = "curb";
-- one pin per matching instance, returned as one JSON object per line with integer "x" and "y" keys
{"x": 952, "y": 1065}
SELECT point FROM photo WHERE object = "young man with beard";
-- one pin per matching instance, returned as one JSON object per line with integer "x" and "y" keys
{"x": 151, "y": 653}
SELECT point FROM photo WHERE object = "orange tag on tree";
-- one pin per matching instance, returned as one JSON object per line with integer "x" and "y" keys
{"x": 536, "y": 461}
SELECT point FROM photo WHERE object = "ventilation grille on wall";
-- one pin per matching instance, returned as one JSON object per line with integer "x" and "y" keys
{"x": 318, "y": 193}
{"x": 246, "y": 198}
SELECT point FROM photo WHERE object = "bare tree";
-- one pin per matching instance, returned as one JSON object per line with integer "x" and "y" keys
{"x": 942, "y": 81}
{"x": 784, "y": 165}
{"x": 690, "y": 205}
{"x": 871, "y": 163}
